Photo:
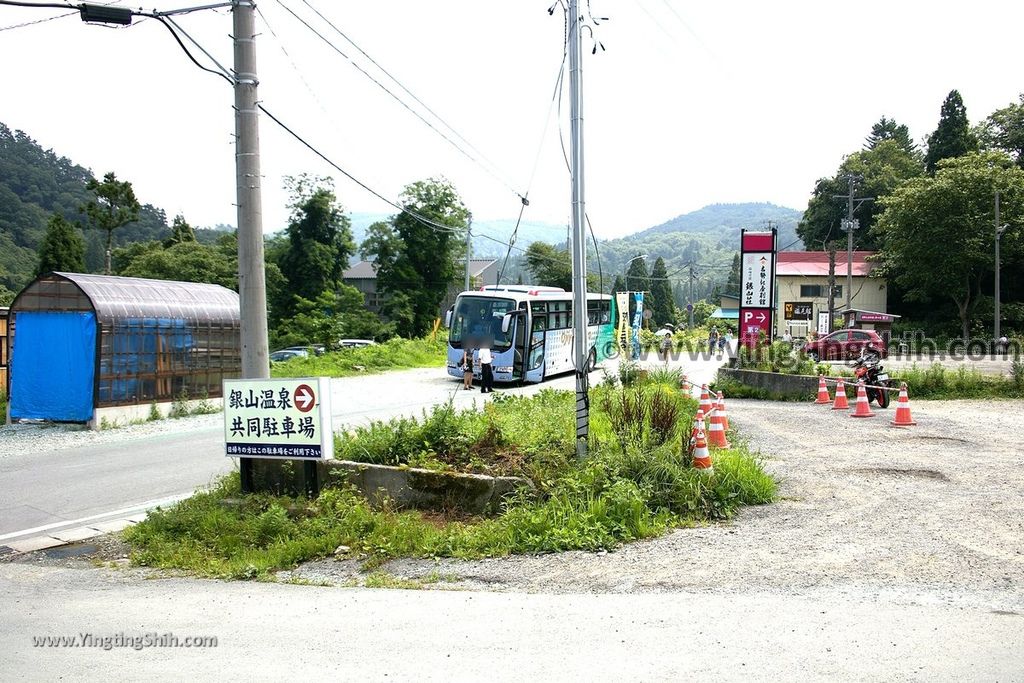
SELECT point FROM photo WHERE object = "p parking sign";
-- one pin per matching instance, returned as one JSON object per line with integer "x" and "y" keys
{"x": 287, "y": 419}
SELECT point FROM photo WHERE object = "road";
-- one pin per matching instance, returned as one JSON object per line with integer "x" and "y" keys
{"x": 90, "y": 478}
{"x": 281, "y": 631}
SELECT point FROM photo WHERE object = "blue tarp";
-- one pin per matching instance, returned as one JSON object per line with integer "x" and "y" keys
{"x": 53, "y": 366}
{"x": 135, "y": 344}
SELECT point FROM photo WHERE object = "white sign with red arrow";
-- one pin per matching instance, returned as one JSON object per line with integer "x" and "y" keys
{"x": 278, "y": 418}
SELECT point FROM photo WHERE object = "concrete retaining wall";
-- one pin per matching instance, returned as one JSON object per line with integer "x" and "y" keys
{"x": 419, "y": 488}
{"x": 777, "y": 383}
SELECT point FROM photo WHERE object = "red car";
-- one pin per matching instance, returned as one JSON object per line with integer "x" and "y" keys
{"x": 844, "y": 345}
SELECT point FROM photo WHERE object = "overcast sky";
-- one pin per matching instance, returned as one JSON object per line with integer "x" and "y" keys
{"x": 690, "y": 104}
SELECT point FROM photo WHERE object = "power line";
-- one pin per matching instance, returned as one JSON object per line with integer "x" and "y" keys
{"x": 397, "y": 98}
{"x": 37, "y": 21}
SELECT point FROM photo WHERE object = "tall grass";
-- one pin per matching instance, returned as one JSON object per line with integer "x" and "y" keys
{"x": 635, "y": 484}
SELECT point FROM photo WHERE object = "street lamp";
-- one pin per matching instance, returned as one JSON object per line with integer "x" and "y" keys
{"x": 625, "y": 268}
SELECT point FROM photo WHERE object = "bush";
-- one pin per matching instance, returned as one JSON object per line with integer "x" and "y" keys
{"x": 391, "y": 355}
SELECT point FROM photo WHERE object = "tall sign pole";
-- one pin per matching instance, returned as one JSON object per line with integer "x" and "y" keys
{"x": 252, "y": 290}
{"x": 579, "y": 241}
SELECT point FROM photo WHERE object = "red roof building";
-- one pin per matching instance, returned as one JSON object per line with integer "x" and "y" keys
{"x": 815, "y": 263}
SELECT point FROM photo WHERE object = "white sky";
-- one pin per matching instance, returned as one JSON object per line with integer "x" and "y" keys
{"x": 691, "y": 104}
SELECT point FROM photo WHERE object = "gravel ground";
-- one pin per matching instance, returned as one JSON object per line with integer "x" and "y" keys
{"x": 931, "y": 514}
{"x": 45, "y": 437}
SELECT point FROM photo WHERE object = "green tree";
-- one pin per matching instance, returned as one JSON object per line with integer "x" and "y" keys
{"x": 549, "y": 266}
{"x": 619, "y": 285}
{"x": 661, "y": 292}
{"x": 319, "y": 241}
{"x": 62, "y": 248}
{"x": 181, "y": 231}
{"x": 637, "y": 279}
{"x": 953, "y": 137}
{"x": 183, "y": 261}
{"x": 1004, "y": 130}
{"x": 331, "y": 316}
{"x": 881, "y": 170}
{"x": 732, "y": 284}
{"x": 114, "y": 205}
{"x": 888, "y": 129}
{"x": 417, "y": 258}
{"x": 937, "y": 230}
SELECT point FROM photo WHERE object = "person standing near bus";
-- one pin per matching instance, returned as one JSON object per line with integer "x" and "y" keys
{"x": 467, "y": 366}
{"x": 486, "y": 376}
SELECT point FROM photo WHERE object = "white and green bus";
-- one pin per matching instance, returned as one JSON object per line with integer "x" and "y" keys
{"x": 529, "y": 330}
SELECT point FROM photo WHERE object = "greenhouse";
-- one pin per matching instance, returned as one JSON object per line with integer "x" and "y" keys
{"x": 86, "y": 345}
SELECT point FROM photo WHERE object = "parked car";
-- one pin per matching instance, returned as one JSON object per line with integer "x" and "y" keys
{"x": 355, "y": 343}
{"x": 287, "y": 354}
{"x": 318, "y": 349}
{"x": 844, "y": 345}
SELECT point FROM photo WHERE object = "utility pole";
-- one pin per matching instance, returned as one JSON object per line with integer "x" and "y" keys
{"x": 1000, "y": 229}
{"x": 831, "y": 283}
{"x": 469, "y": 251}
{"x": 252, "y": 291}
{"x": 689, "y": 308}
{"x": 849, "y": 225}
{"x": 579, "y": 247}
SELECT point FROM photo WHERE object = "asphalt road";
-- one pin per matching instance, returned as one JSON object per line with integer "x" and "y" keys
{"x": 280, "y": 631}
{"x": 76, "y": 481}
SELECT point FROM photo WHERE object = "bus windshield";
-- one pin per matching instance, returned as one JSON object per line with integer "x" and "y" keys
{"x": 477, "y": 319}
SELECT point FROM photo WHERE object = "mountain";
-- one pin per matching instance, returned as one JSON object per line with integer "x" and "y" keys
{"x": 726, "y": 220}
{"x": 35, "y": 183}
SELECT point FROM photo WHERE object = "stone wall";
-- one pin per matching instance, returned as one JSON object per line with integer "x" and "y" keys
{"x": 774, "y": 382}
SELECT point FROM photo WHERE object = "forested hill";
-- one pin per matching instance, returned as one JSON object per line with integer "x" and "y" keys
{"x": 34, "y": 183}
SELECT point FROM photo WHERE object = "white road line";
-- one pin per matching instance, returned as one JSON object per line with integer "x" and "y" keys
{"x": 140, "y": 507}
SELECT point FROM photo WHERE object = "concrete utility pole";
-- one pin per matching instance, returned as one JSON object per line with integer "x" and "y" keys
{"x": 689, "y": 308}
{"x": 469, "y": 251}
{"x": 252, "y": 291}
{"x": 831, "y": 283}
{"x": 1000, "y": 229}
{"x": 849, "y": 225}
{"x": 579, "y": 244}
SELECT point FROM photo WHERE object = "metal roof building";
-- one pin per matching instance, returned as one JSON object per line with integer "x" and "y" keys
{"x": 80, "y": 343}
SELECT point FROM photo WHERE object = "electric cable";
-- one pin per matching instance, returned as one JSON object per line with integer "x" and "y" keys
{"x": 396, "y": 97}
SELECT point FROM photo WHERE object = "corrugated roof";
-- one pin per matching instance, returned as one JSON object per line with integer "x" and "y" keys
{"x": 815, "y": 263}
{"x": 132, "y": 297}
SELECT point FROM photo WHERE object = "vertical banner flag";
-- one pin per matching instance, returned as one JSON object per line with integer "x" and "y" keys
{"x": 757, "y": 286}
{"x": 622, "y": 333}
{"x": 638, "y": 317}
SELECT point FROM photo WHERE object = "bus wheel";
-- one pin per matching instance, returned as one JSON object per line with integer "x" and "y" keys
{"x": 592, "y": 361}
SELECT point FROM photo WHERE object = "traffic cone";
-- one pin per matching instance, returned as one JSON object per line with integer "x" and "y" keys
{"x": 699, "y": 424}
{"x": 862, "y": 407}
{"x": 705, "y": 400}
{"x": 720, "y": 409}
{"x": 716, "y": 437}
{"x": 903, "y": 418}
{"x": 701, "y": 455}
{"x": 841, "y": 403}
{"x": 822, "y": 391}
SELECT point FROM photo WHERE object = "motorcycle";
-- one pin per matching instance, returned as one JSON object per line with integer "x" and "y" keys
{"x": 868, "y": 369}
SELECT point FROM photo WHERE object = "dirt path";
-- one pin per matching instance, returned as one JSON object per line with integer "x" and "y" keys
{"x": 932, "y": 513}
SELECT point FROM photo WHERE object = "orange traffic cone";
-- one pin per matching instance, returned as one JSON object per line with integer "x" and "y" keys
{"x": 841, "y": 403}
{"x": 720, "y": 409}
{"x": 862, "y": 407}
{"x": 716, "y": 437}
{"x": 822, "y": 391}
{"x": 699, "y": 424}
{"x": 701, "y": 455}
{"x": 705, "y": 400}
{"x": 903, "y": 418}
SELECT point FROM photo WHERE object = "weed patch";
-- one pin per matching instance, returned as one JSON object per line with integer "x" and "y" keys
{"x": 394, "y": 354}
{"x": 634, "y": 485}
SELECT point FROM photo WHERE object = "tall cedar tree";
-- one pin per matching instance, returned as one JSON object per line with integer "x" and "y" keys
{"x": 62, "y": 248}
{"x": 113, "y": 206}
{"x": 953, "y": 137}
{"x": 181, "y": 231}
{"x": 661, "y": 290}
{"x": 319, "y": 242}
{"x": 419, "y": 262}
{"x": 888, "y": 129}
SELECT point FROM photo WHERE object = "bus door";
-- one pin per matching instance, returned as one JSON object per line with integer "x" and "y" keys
{"x": 535, "y": 352}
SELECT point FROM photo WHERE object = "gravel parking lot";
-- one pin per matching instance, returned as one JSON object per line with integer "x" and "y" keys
{"x": 930, "y": 513}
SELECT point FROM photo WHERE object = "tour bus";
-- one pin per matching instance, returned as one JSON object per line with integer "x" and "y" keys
{"x": 529, "y": 330}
